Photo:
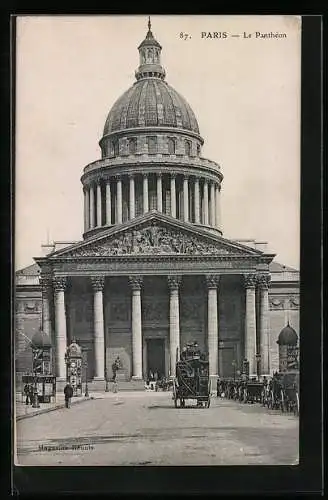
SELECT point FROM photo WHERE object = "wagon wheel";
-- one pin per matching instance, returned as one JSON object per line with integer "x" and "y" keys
{"x": 182, "y": 403}
{"x": 245, "y": 396}
{"x": 208, "y": 402}
{"x": 270, "y": 401}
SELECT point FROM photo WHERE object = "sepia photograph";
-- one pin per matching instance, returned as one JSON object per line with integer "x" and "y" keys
{"x": 157, "y": 240}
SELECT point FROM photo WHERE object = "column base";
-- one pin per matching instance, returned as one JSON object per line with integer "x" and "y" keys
{"x": 61, "y": 379}
{"x": 97, "y": 379}
{"x": 136, "y": 377}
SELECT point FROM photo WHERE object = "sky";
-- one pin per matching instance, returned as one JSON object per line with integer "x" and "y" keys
{"x": 245, "y": 93}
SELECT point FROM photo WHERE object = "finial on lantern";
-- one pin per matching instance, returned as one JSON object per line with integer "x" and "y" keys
{"x": 149, "y": 24}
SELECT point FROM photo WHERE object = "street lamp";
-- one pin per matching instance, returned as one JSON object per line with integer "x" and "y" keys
{"x": 85, "y": 364}
{"x": 258, "y": 364}
{"x": 106, "y": 381}
{"x": 234, "y": 364}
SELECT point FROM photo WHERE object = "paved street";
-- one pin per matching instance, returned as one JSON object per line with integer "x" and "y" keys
{"x": 144, "y": 428}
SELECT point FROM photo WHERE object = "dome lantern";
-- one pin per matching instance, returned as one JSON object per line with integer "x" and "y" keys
{"x": 150, "y": 57}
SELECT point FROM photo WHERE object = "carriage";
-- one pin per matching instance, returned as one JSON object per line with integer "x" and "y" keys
{"x": 252, "y": 391}
{"x": 192, "y": 379}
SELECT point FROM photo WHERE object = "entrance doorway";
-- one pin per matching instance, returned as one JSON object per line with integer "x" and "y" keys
{"x": 156, "y": 356}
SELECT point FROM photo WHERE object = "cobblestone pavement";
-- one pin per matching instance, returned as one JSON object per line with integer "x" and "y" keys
{"x": 140, "y": 428}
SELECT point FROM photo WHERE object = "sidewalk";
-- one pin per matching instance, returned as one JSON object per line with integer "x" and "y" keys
{"x": 25, "y": 411}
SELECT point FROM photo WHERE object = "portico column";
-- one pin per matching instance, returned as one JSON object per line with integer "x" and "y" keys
{"x": 197, "y": 205}
{"x": 174, "y": 283}
{"x": 145, "y": 194}
{"x": 185, "y": 199}
{"x": 59, "y": 284}
{"x": 212, "y": 282}
{"x": 264, "y": 281}
{"x": 173, "y": 196}
{"x": 205, "y": 202}
{"x": 218, "y": 207}
{"x": 132, "y": 197}
{"x": 212, "y": 206}
{"x": 98, "y": 326}
{"x": 92, "y": 207}
{"x": 108, "y": 204}
{"x": 46, "y": 288}
{"x": 119, "y": 200}
{"x": 136, "y": 284}
{"x": 250, "y": 322}
{"x": 159, "y": 193}
{"x": 98, "y": 205}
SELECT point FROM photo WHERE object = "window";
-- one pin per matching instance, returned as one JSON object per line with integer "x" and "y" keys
{"x": 198, "y": 149}
{"x": 152, "y": 145}
{"x": 113, "y": 149}
{"x": 132, "y": 145}
{"x": 171, "y": 145}
{"x": 188, "y": 148}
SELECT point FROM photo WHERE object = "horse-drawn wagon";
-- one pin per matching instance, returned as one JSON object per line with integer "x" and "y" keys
{"x": 192, "y": 379}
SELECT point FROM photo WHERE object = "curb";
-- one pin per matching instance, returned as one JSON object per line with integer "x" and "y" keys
{"x": 47, "y": 410}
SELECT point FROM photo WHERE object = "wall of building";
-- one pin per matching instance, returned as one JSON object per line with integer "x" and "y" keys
{"x": 284, "y": 307}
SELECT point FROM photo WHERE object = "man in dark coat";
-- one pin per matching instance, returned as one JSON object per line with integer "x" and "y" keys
{"x": 28, "y": 393}
{"x": 68, "y": 392}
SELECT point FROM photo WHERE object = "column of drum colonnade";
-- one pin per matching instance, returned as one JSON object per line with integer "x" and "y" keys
{"x": 207, "y": 211}
{"x": 58, "y": 284}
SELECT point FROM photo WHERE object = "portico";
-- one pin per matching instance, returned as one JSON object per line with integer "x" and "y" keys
{"x": 165, "y": 290}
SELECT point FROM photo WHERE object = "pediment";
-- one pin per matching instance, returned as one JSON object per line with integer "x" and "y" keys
{"x": 157, "y": 236}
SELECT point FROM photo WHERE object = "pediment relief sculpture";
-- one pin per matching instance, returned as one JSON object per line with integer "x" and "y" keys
{"x": 153, "y": 240}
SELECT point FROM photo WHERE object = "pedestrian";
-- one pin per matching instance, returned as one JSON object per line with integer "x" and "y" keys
{"x": 27, "y": 392}
{"x": 68, "y": 392}
{"x": 114, "y": 370}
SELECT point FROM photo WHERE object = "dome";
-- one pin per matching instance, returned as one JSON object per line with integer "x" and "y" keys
{"x": 151, "y": 102}
{"x": 287, "y": 336}
{"x": 41, "y": 339}
{"x": 74, "y": 349}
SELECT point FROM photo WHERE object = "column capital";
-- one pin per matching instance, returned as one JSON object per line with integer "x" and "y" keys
{"x": 263, "y": 281}
{"x": 135, "y": 282}
{"x": 145, "y": 175}
{"x": 131, "y": 176}
{"x": 97, "y": 283}
{"x": 250, "y": 280}
{"x": 59, "y": 283}
{"x": 212, "y": 280}
{"x": 118, "y": 177}
{"x": 174, "y": 282}
{"x": 186, "y": 177}
{"x": 173, "y": 175}
{"x": 46, "y": 282}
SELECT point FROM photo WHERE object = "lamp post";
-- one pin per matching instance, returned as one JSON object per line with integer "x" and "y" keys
{"x": 106, "y": 381}
{"x": 36, "y": 403}
{"x": 85, "y": 363}
{"x": 234, "y": 369}
{"x": 258, "y": 364}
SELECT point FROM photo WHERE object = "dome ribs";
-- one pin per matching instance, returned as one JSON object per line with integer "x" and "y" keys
{"x": 142, "y": 107}
{"x": 132, "y": 115}
{"x": 151, "y": 102}
{"x": 151, "y": 105}
{"x": 123, "y": 112}
{"x": 159, "y": 105}
{"x": 168, "y": 108}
